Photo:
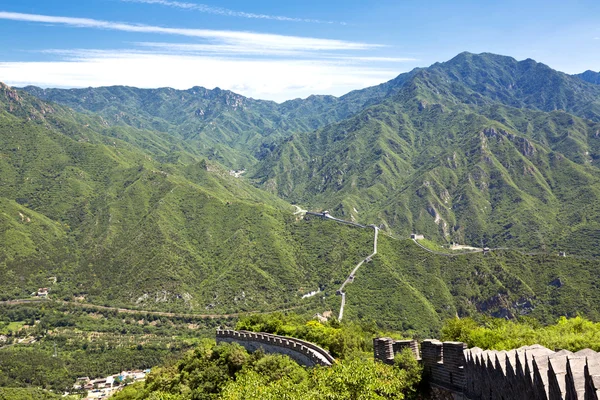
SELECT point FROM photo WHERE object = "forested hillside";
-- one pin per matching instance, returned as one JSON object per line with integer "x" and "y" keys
{"x": 118, "y": 227}
{"x": 482, "y": 150}
{"x": 218, "y": 124}
{"x": 127, "y": 199}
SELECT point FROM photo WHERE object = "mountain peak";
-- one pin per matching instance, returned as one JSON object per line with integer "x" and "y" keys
{"x": 9, "y": 93}
{"x": 590, "y": 77}
{"x": 466, "y": 56}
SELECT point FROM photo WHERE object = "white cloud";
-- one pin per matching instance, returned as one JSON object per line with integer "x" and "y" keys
{"x": 222, "y": 49}
{"x": 227, "y": 12}
{"x": 237, "y": 38}
{"x": 265, "y": 79}
{"x": 266, "y": 66}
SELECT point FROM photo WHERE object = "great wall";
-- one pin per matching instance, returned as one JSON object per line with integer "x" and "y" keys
{"x": 527, "y": 373}
{"x": 455, "y": 372}
{"x": 304, "y": 353}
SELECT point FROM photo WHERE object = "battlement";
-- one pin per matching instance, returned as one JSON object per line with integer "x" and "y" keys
{"x": 444, "y": 363}
{"x": 386, "y": 348}
{"x": 529, "y": 372}
{"x": 303, "y": 352}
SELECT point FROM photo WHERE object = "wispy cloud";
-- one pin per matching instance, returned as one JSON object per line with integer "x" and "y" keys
{"x": 239, "y": 38}
{"x": 223, "y": 49}
{"x": 267, "y": 66}
{"x": 597, "y": 38}
{"x": 229, "y": 13}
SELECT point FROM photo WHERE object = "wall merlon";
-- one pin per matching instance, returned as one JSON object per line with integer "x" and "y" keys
{"x": 527, "y": 373}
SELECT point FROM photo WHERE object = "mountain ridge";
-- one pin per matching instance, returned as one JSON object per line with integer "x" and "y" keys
{"x": 236, "y": 130}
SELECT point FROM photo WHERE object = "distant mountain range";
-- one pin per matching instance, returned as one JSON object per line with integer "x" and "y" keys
{"x": 125, "y": 194}
{"x": 218, "y": 124}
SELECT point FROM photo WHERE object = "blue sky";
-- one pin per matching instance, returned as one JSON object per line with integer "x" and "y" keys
{"x": 279, "y": 49}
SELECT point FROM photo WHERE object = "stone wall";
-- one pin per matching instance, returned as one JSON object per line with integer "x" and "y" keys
{"x": 444, "y": 363}
{"x": 532, "y": 372}
{"x": 305, "y": 353}
{"x": 527, "y": 373}
{"x": 385, "y": 348}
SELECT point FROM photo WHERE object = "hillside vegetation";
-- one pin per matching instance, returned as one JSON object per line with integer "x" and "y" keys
{"x": 227, "y": 371}
{"x": 218, "y": 124}
{"x": 115, "y": 226}
{"x": 569, "y": 334}
{"x": 123, "y": 197}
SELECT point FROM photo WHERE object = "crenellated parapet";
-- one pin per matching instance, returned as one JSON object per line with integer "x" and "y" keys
{"x": 386, "y": 348}
{"x": 303, "y": 352}
{"x": 444, "y": 363}
{"x": 532, "y": 372}
{"x": 527, "y": 373}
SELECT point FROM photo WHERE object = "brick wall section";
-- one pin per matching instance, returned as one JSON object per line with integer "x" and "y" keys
{"x": 413, "y": 345}
{"x": 444, "y": 363}
{"x": 527, "y": 373}
{"x": 385, "y": 348}
{"x": 305, "y": 353}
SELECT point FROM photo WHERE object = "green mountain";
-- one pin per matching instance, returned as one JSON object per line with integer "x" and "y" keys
{"x": 481, "y": 149}
{"x": 479, "y": 79}
{"x": 124, "y": 196}
{"x": 116, "y": 226}
{"x": 218, "y": 124}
